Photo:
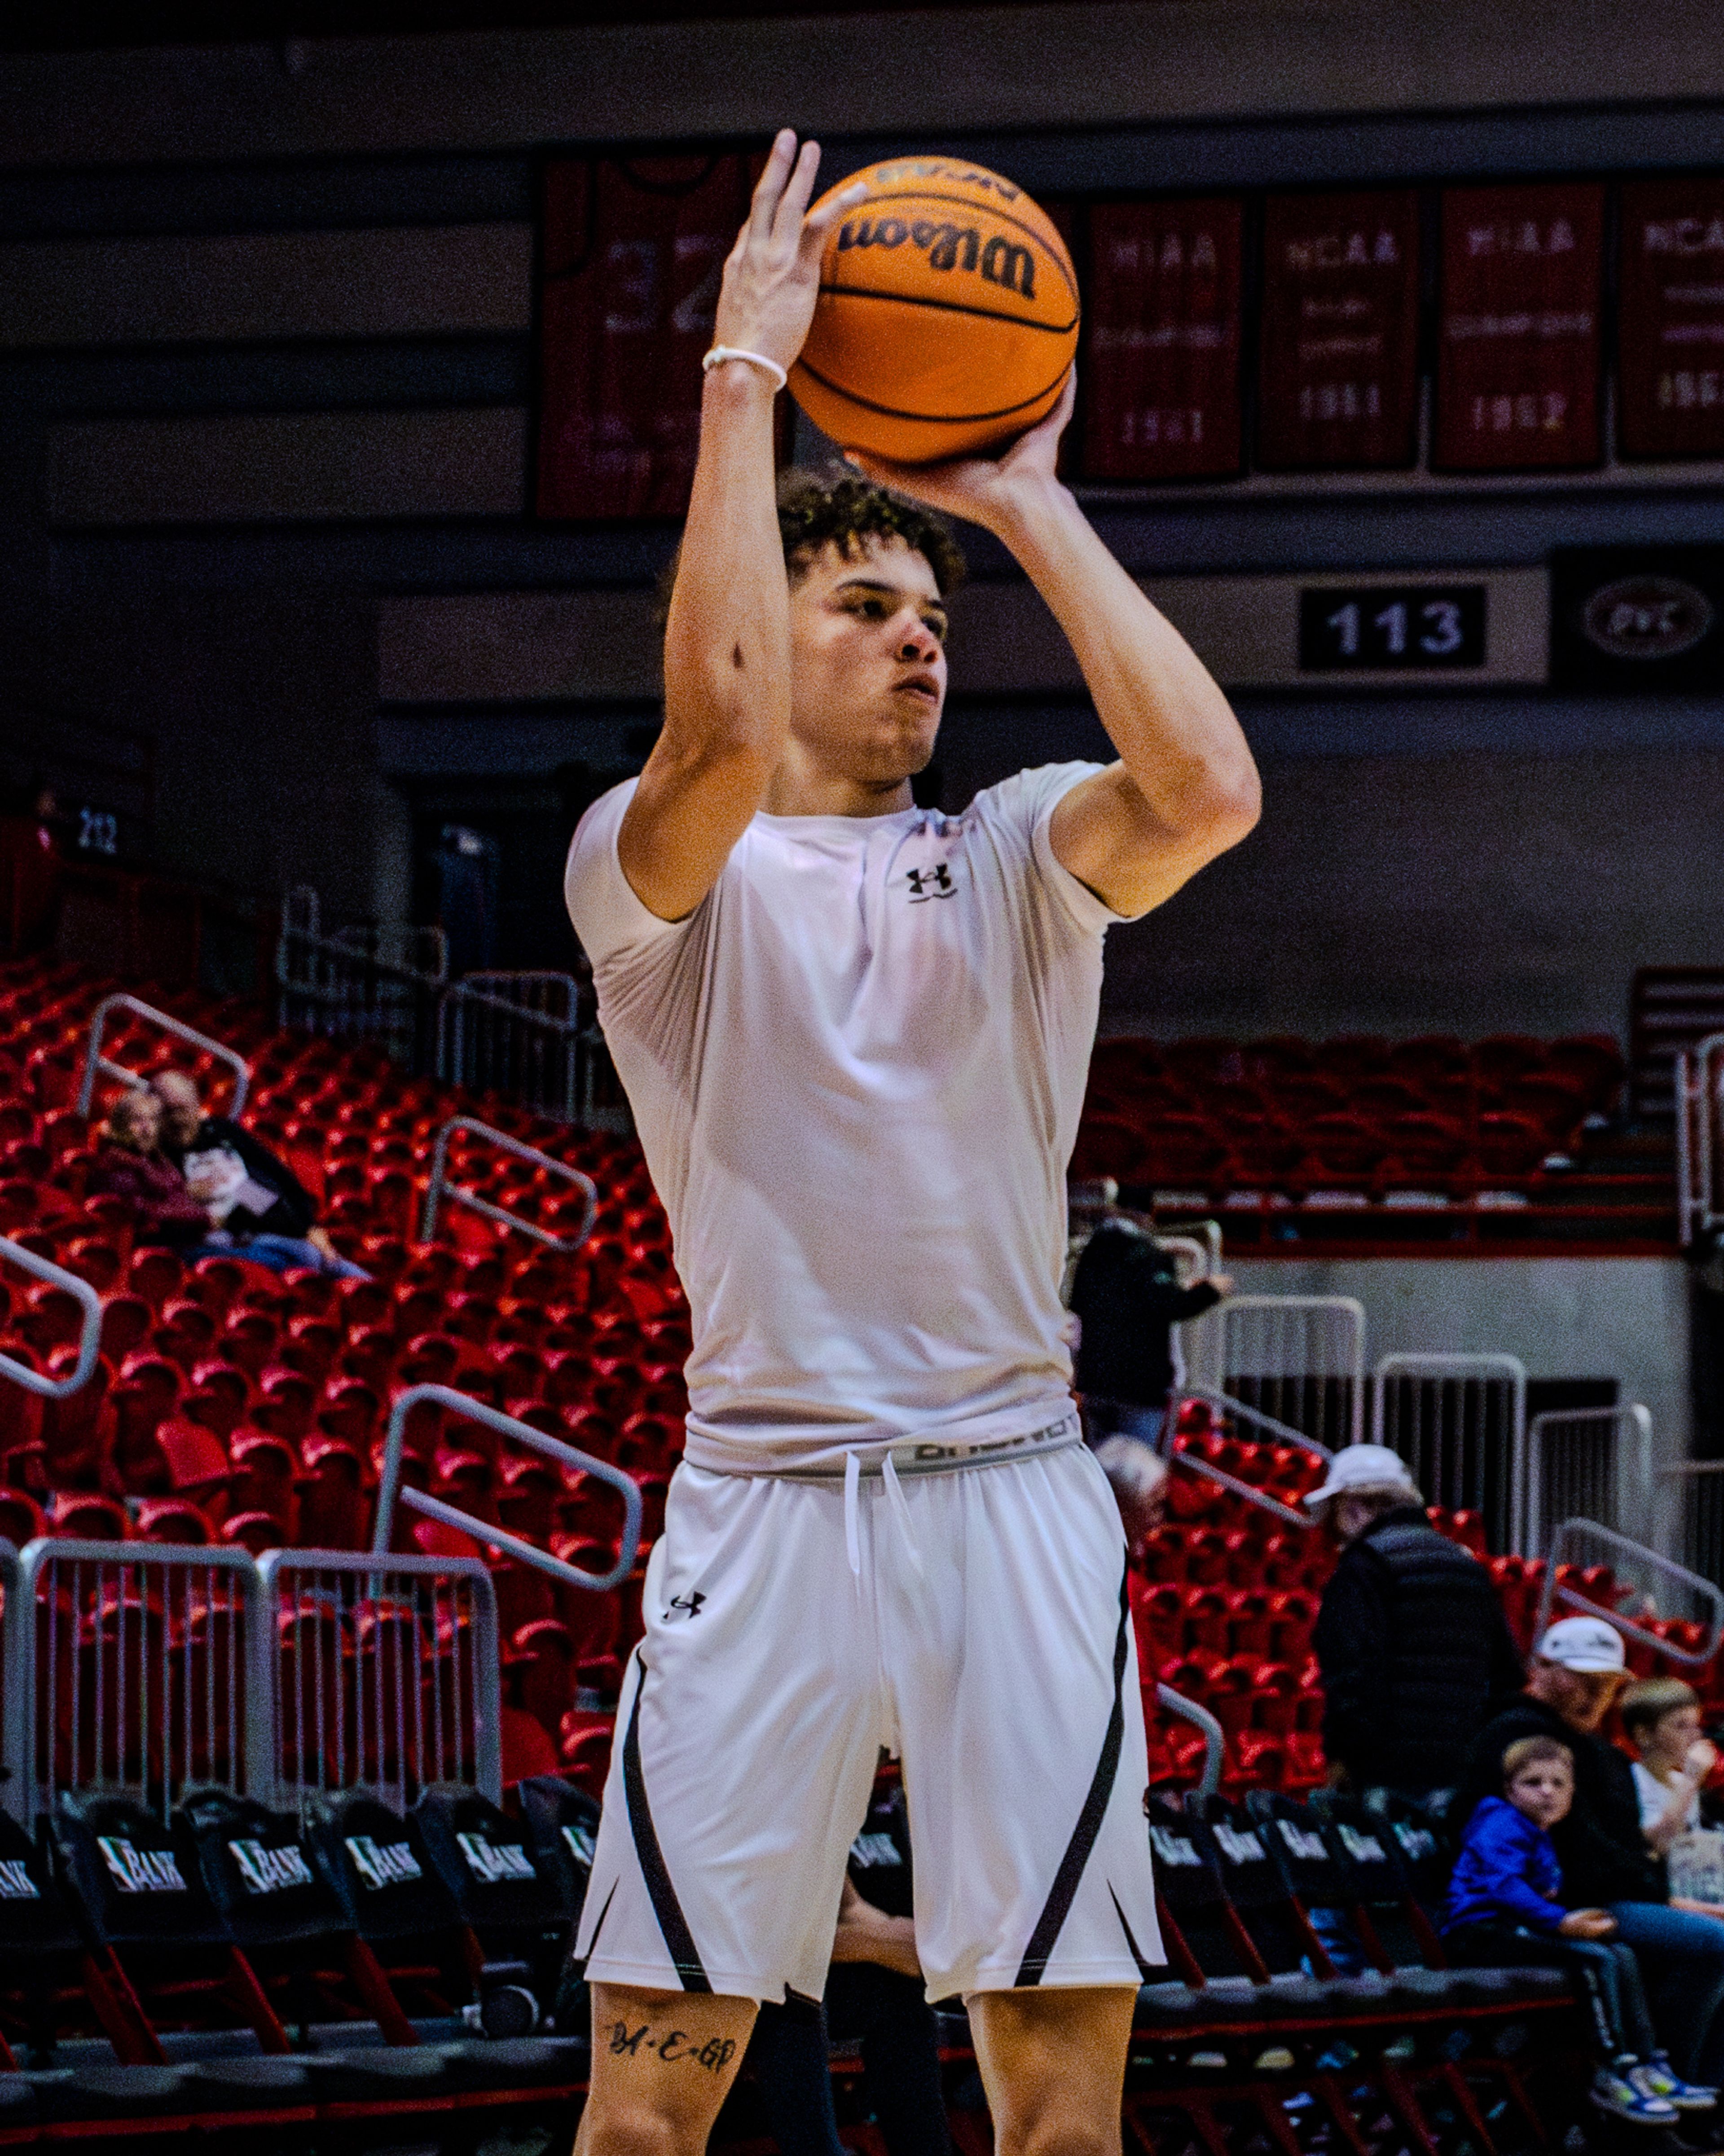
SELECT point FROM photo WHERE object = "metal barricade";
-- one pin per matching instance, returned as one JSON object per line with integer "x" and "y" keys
{"x": 364, "y": 984}
{"x": 1592, "y": 1464}
{"x": 1645, "y": 1585}
{"x": 518, "y": 1033}
{"x": 384, "y": 1676}
{"x": 1700, "y": 1137}
{"x": 1214, "y": 1735}
{"x": 1459, "y": 1423}
{"x": 94, "y": 1062}
{"x": 1697, "y": 1530}
{"x": 1257, "y": 1428}
{"x": 1299, "y": 1358}
{"x": 390, "y": 1489}
{"x": 137, "y": 1668}
{"x": 89, "y": 1333}
{"x": 440, "y": 1187}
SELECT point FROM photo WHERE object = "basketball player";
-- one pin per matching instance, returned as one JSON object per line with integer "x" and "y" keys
{"x": 855, "y": 1035}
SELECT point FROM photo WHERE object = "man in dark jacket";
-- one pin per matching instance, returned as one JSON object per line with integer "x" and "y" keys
{"x": 1579, "y": 1668}
{"x": 255, "y": 1198}
{"x": 1411, "y": 1640}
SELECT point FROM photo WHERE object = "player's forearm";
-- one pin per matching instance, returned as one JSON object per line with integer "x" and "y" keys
{"x": 1175, "y": 731}
{"x": 727, "y": 640}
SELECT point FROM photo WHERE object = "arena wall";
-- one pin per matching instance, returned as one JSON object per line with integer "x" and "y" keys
{"x": 1625, "y": 1319}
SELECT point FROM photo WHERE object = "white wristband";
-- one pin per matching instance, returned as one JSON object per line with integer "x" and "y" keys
{"x": 720, "y": 353}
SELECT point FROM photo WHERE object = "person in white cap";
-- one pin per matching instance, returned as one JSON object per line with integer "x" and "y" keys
{"x": 1577, "y": 1671}
{"x": 1411, "y": 1640}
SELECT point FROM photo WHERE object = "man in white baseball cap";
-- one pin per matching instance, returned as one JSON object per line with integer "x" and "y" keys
{"x": 1411, "y": 1640}
{"x": 1578, "y": 1667}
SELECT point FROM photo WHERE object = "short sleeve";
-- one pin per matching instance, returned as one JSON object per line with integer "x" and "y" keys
{"x": 1029, "y": 800}
{"x": 608, "y": 917}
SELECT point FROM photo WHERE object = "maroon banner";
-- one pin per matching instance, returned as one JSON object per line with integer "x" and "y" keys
{"x": 1161, "y": 375}
{"x": 633, "y": 253}
{"x": 1339, "y": 377}
{"x": 1518, "y": 346}
{"x": 1671, "y": 335}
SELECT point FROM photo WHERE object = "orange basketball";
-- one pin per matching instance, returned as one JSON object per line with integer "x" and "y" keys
{"x": 947, "y": 318}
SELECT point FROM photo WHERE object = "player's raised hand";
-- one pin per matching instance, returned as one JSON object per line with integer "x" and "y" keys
{"x": 772, "y": 277}
{"x": 980, "y": 489}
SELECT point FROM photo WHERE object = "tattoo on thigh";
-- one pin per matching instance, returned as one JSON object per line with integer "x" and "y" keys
{"x": 672, "y": 2046}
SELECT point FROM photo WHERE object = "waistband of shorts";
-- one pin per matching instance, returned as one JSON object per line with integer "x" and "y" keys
{"x": 918, "y": 1455}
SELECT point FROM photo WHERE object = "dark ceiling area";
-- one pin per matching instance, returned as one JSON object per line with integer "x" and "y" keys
{"x": 92, "y": 25}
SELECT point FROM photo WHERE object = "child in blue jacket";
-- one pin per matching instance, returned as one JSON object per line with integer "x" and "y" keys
{"x": 1504, "y": 1912}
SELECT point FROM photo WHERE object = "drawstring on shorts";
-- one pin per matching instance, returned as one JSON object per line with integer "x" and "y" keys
{"x": 894, "y": 1498}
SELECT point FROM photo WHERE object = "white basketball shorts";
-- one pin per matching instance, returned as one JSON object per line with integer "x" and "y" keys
{"x": 973, "y": 1621}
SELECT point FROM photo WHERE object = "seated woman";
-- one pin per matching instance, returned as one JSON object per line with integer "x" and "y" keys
{"x": 131, "y": 1166}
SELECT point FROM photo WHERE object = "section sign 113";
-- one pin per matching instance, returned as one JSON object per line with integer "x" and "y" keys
{"x": 1391, "y": 628}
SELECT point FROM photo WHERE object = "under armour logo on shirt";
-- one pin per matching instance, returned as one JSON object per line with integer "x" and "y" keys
{"x": 930, "y": 883}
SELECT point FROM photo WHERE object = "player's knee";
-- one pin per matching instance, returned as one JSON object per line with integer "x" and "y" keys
{"x": 1059, "y": 2131}
{"x": 630, "y": 2128}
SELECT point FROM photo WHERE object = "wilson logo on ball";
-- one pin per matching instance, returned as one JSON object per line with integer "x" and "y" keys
{"x": 1001, "y": 261}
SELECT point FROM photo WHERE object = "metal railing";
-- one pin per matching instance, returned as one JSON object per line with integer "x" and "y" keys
{"x": 89, "y": 1332}
{"x": 95, "y": 1063}
{"x": 1259, "y": 1429}
{"x": 1697, "y": 1530}
{"x": 439, "y": 1186}
{"x": 527, "y": 1035}
{"x": 363, "y": 983}
{"x": 1590, "y": 1463}
{"x": 1459, "y": 1423}
{"x": 1298, "y": 1359}
{"x": 390, "y": 1489}
{"x": 1214, "y": 1735}
{"x": 1656, "y": 1587}
{"x": 1700, "y": 1137}
{"x": 384, "y": 1676}
{"x": 134, "y": 1668}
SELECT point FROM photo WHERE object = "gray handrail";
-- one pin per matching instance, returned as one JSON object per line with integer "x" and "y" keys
{"x": 439, "y": 1186}
{"x": 390, "y": 1489}
{"x": 90, "y": 1336}
{"x": 1267, "y": 1431}
{"x": 1551, "y": 1593}
{"x": 94, "y": 1060}
{"x": 1214, "y": 1735}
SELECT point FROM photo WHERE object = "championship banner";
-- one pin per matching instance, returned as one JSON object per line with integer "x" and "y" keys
{"x": 1671, "y": 335}
{"x": 1160, "y": 373}
{"x": 1338, "y": 384}
{"x": 1518, "y": 341}
{"x": 633, "y": 251}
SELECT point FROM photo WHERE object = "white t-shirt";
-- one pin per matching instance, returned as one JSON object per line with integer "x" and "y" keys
{"x": 1655, "y": 1795}
{"x": 857, "y": 1069}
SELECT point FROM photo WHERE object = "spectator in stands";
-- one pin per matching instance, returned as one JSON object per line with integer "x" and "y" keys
{"x": 130, "y": 1165}
{"x": 873, "y": 1991}
{"x": 250, "y": 1195}
{"x": 1504, "y": 1913}
{"x": 1125, "y": 1299}
{"x": 1661, "y": 1719}
{"x": 1411, "y": 1641}
{"x": 1578, "y": 1671}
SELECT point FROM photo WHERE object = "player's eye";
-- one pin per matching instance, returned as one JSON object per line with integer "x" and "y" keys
{"x": 935, "y": 623}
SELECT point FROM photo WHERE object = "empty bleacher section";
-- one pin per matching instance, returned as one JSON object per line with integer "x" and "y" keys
{"x": 1368, "y": 1143}
{"x": 277, "y": 1609}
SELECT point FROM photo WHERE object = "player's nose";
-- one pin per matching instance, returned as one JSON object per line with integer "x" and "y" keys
{"x": 920, "y": 646}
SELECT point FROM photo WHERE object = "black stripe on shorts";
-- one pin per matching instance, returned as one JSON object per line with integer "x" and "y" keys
{"x": 679, "y": 1940}
{"x": 1048, "y": 1925}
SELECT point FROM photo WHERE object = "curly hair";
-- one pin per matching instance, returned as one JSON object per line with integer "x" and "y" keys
{"x": 846, "y": 512}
